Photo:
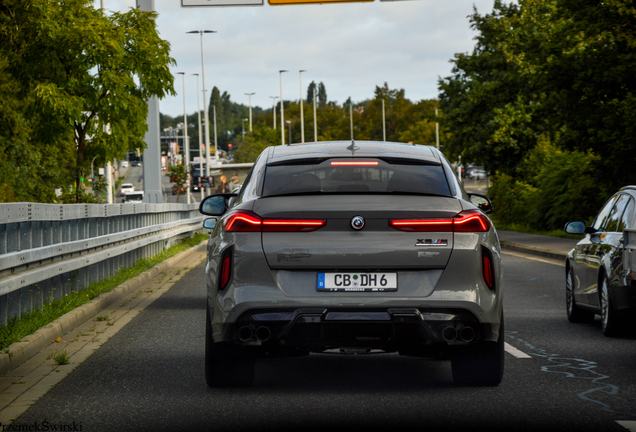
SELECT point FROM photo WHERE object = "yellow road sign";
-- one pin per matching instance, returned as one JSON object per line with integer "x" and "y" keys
{"x": 291, "y": 2}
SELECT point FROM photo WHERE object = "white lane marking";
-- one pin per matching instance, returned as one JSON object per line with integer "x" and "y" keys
{"x": 515, "y": 352}
{"x": 553, "y": 261}
{"x": 630, "y": 425}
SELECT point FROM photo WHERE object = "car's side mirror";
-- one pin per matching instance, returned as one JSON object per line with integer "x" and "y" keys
{"x": 215, "y": 205}
{"x": 578, "y": 227}
{"x": 209, "y": 224}
{"x": 481, "y": 202}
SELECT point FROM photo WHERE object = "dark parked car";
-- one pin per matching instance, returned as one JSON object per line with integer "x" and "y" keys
{"x": 352, "y": 248}
{"x": 601, "y": 270}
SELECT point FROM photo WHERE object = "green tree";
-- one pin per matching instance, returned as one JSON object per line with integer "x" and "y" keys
{"x": 85, "y": 76}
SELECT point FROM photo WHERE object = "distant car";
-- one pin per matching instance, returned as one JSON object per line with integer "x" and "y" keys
{"x": 352, "y": 248}
{"x": 600, "y": 271}
{"x": 478, "y": 174}
{"x": 124, "y": 164}
{"x": 133, "y": 197}
{"x": 126, "y": 187}
{"x": 135, "y": 163}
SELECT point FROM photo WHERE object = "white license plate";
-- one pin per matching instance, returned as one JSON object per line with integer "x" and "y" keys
{"x": 365, "y": 282}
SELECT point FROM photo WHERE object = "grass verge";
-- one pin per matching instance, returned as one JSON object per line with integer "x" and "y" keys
{"x": 17, "y": 329}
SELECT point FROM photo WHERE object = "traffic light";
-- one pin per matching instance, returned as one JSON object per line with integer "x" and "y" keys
{"x": 229, "y": 145}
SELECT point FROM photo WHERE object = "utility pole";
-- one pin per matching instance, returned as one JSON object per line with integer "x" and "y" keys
{"x": 302, "y": 118}
{"x": 274, "y": 109}
{"x": 152, "y": 154}
{"x": 282, "y": 114}
{"x": 315, "y": 118}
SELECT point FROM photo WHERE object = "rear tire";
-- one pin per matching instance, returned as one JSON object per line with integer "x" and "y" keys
{"x": 575, "y": 314}
{"x": 610, "y": 323}
{"x": 226, "y": 365}
{"x": 481, "y": 364}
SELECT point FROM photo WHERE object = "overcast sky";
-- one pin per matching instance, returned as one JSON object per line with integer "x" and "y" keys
{"x": 350, "y": 47}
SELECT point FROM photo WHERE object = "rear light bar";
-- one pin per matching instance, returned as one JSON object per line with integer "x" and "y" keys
{"x": 226, "y": 271}
{"x": 354, "y": 163}
{"x": 488, "y": 268}
{"x": 247, "y": 221}
{"x": 466, "y": 221}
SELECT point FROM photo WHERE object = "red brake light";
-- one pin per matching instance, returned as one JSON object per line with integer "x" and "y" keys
{"x": 225, "y": 272}
{"x": 466, "y": 221}
{"x": 422, "y": 225}
{"x": 354, "y": 163}
{"x": 243, "y": 222}
{"x": 471, "y": 221}
{"x": 487, "y": 267}
{"x": 246, "y": 221}
{"x": 290, "y": 225}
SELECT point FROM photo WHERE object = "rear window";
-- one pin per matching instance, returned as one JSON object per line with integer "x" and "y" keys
{"x": 358, "y": 175}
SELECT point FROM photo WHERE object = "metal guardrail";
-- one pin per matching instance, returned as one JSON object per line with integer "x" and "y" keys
{"x": 48, "y": 250}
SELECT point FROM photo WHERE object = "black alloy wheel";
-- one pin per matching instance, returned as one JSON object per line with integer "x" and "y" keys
{"x": 610, "y": 323}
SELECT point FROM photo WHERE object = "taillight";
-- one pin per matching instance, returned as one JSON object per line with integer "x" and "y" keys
{"x": 466, "y": 221}
{"x": 471, "y": 221}
{"x": 243, "y": 222}
{"x": 487, "y": 268}
{"x": 226, "y": 271}
{"x": 247, "y": 221}
{"x": 422, "y": 225}
{"x": 290, "y": 225}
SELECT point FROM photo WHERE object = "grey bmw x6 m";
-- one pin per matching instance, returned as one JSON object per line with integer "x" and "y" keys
{"x": 352, "y": 247}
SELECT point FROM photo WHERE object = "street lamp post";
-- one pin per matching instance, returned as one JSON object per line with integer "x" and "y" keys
{"x": 289, "y": 124}
{"x": 205, "y": 111}
{"x": 200, "y": 155}
{"x": 274, "y": 109}
{"x": 315, "y": 118}
{"x": 383, "y": 123}
{"x": 302, "y": 118}
{"x": 351, "y": 117}
{"x": 215, "y": 143}
{"x": 250, "y": 95}
{"x": 185, "y": 140}
{"x": 436, "y": 130}
{"x": 282, "y": 114}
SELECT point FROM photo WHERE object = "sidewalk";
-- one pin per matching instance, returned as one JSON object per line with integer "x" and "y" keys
{"x": 547, "y": 246}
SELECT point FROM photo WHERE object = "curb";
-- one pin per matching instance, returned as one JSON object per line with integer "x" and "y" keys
{"x": 32, "y": 344}
{"x": 533, "y": 250}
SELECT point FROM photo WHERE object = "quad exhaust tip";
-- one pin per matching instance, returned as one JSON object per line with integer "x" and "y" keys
{"x": 245, "y": 334}
{"x": 466, "y": 334}
{"x": 263, "y": 333}
{"x": 449, "y": 334}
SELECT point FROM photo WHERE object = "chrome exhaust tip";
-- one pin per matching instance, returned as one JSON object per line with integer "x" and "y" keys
{"x": 244, "y": 334}
{"x": 263, "y": 333}
{"x": 467, "y": 334}
{"x": 449, "y": 334}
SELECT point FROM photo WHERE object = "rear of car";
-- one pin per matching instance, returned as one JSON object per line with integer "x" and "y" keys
{"x": 125, "y": 188}
{"x": 353, "y": 247}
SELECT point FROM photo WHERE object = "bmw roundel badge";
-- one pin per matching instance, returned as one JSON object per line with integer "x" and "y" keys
{"x": 357, "y": 223}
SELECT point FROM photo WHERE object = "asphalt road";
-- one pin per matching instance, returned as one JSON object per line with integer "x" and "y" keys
{"x": 150, "y": 376}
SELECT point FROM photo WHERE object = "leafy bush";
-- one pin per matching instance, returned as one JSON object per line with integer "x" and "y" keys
{"x": 559, "y": 186}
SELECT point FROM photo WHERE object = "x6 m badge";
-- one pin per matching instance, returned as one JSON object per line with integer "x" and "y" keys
{"x": 431, "y": 242}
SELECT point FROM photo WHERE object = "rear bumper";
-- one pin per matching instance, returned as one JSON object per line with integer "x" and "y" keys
{"x": 390, "y": 329}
